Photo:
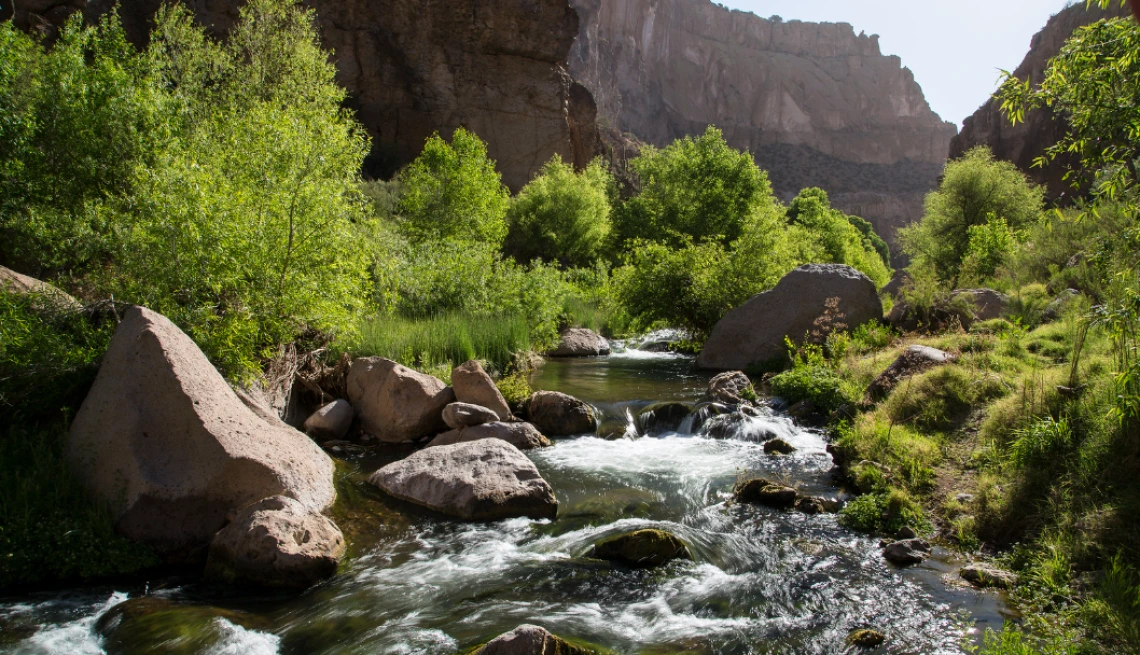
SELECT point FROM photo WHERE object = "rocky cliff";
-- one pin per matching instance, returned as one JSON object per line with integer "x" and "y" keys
{"x": 412, "y": 67}
{"x": 816, "y": 104}
{"x": 1025, "y": 142}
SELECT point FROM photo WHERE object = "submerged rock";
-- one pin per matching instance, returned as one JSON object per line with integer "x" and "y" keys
{"x": 465, "y": 415}
{"x": 764, "y": 492}
{"x": 986, "y": 576}
{"x": 779, "y": 447}
{"x": 580, "y": 342}
{"x": 907, "y": 551}
{"x": 484, "y": 480}
{"x": 531, "y": 640}
{"x": 558, "y": 415}
{"x": 395, "y": 403}
{"x": 523, "y": 436}
{"x": 754, "y": 332}
{"x": 736, "y": 425}
{"x": 167, "y": 445}
{"x": 330, "y": 422}
{"x": 473, "y": 385}
{"x": 912, "y": 361}
{"x": 866, "y": 638}
{"x": 662, "y": 417}
{"x": 276, "y": 542}
{"x": 727, "y": 387}
{"x": 155, "y": 626}
{"x": 642, "y": 548}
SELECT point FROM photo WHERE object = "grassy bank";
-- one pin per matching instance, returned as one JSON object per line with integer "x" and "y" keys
{"x": 445, "y": 340}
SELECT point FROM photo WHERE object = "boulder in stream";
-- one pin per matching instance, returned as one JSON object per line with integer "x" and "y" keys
{"x": 465, "y": 415}
{"x": 276, "y": 542}
{"x": 519, "y": 434}
{"x": 906, "y": 551}
{"x": 764, "y": 492}
{"x": 729, "y": 386}
{"x": 531, "y": 640}
{"x": 166, "y": 444}
{"x": 642, "y": 548}
{"x": 987, "y": 576}
{"x": 754, "y": 332}
{"x": 779, "y": 447}
{"x": 580, "y": 342}
{"x": 330, "y": 422}
{"x": 395, "y": 403}
{"x": 473, "y": 385}
{"x": 559, "y": 415}
{"x": 662, "y": 417}
{"x": 866, "y": 638}
{"x": 484, "y": 480}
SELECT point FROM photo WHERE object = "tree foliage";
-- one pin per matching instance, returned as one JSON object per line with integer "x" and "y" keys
{"x": 837, "y": 237}
{"x": 696, "y": 189}
{"x": 452, "y": 191}
{"x": 562, "y": 216}
{"x": 975, "y": 190}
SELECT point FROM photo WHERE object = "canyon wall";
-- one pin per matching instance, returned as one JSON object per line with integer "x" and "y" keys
{"x": 816, "y": 104}
{"x": 1023, "y": 143}
{"x": 413, "y": 67}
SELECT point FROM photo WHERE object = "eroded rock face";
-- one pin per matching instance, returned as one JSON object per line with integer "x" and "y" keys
{"x": 580, "y": 342}
{"x": 483, "y": 480}
{"x": 816, "y": 103}
{"x": 530, "y": 640}
{"x": 521, "y": 435}
{"x": 473, "y": 385}
{"x": 165, "y": 442}
{"x": 754, "y": 332}
{"x": 1024, "y": 143}
{"x": 395, "y": 403}
{"x": 276, "y": 542}
{"x": 556, "y": 414}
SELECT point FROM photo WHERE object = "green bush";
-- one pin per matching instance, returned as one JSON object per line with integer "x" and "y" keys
{"x": 819, "y": 385}
{"x": 886, "y": 512}
{"x": 452, "y": 191}
{"x": 562, "y": 216}
{"x": 445, "y": 340}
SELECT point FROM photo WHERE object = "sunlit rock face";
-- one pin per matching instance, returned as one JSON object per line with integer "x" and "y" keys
{"x": 1024, "y": 143}
{"x": 817, "y": 104}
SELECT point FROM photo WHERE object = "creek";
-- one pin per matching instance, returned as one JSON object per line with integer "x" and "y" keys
{"x": 761, "y": 580}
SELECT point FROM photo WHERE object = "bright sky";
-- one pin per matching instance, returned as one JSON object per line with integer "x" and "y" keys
{"x": 955, "y": 49}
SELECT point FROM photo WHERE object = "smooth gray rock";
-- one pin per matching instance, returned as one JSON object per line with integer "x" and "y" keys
{"x": 484, "y": 480}
{"x": 906, "y": 551}
{"x": 330, "y": 422}
{"x": 580, "y": 342}
{"x": 519, "y": 434}
{"x": 558, "y": 415}
{"x": 473, "y": 385}
{"x": 395, "y": 403}
{"x": 754, "y": 332}
{"x": 465, "y": 415}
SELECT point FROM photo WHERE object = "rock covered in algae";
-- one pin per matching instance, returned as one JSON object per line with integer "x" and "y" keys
{"x": 866, "y": 638}
{"x": 642, "y": 548}
{"x": 779, "y": 447}
{"x": 765, "y": 492}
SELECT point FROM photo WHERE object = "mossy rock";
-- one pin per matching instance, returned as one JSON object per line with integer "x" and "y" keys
{"x": 154, "y": 626}
{"x": 779, "y": 447}
{"x": 765, "y": 492}
{"x": 866, "y": 638}
{"x": 642, "y": 548}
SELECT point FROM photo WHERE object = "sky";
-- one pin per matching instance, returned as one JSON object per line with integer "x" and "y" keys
{"x": 955, "y": 48}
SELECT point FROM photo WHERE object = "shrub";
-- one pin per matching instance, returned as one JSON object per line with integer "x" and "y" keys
{"x": 819, "y": 385}
{"x": 1041, "y": 442}
{"x": 941, "y": 399}
{"x": 562, "y": 216}
{"x": 452, "y": 191}
{"x": 835, "y": 236}
{"x": 886, "y": 512}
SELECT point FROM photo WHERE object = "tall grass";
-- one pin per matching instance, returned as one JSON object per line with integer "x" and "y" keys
{"x": 444, "y": 340}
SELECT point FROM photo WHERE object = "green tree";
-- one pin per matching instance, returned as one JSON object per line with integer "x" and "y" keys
{"x": 562, "y": 216}
{"x": 696, "y": 189}
{"x": 824, "y": 234}
{"x": 974, "y": 189}
{"x": 452, "y": 191}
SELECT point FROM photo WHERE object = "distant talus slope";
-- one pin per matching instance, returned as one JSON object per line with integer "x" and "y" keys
{"x": 814, "y": 102}
{"x": 497, "y": 67}
{"x": 1027, "y": 141}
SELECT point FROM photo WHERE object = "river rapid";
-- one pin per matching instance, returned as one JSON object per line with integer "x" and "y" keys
{"x": 761, "y": 580}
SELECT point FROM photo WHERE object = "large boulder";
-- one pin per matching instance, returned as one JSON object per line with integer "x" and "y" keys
{"x": 580, "y": 342}
{"x": 899, "y": 282}
{"x": 557, "y": 414}
{"x": 798, "y": 305}
{"x": 483, "y": 480}
{"x": 988, "y": 304}
{"x": 530, "y": 640}
{"x": 52, "y": 296}
{"x": 331, "y": 421}
{"x": 912, "y": 361}
{"x": 396, "y": 404}
{"x": 473, "y": 385}
{"x": 523, "y": 436}
{"x": 168, "y": 446}
{"x": 465, "y": 415}
{"x": 642, "y": 548}
{"x": 728, "y": 386}
{"x": 276, "y": 542}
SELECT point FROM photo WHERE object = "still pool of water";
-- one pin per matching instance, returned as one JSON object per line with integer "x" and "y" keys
{"x": 762, "y": 581}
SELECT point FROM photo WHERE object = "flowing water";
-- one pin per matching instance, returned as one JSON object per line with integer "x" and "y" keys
{"x": 761, "y": 580}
